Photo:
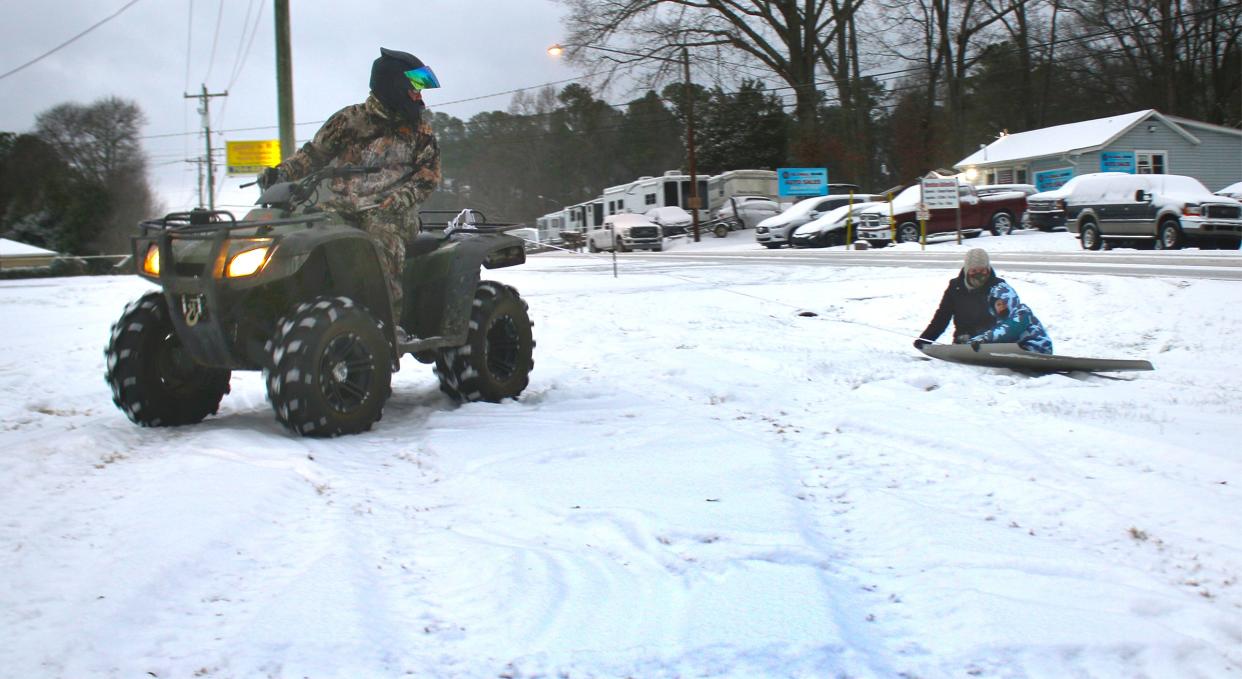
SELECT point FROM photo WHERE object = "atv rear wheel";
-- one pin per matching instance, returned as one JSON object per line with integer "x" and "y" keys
{"x": 152, "y": 377}
{"x": 329, "y": 368}
{"x": 496, "y": 361}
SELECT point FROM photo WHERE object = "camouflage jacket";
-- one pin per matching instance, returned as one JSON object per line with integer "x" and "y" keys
{"x": 369, "y": 135}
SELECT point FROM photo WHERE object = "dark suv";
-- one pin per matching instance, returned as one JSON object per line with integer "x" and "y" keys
{"x": 1167, "y": 211}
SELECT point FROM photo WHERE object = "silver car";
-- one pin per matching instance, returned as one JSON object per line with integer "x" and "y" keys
{"x": 750, "y": 210}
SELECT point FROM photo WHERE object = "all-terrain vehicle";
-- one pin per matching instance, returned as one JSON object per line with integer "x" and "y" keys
{"x": 297, "y": 293}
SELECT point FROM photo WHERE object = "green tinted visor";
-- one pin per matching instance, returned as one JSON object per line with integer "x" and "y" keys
{"x": 422, "y": 78}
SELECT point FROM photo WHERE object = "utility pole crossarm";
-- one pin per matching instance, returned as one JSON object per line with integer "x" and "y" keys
{"x": 205, "y": 110}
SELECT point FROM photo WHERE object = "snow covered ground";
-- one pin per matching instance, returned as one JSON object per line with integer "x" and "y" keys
{"x": 700, "y": 481}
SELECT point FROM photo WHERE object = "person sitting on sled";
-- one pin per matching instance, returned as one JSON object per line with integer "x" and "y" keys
{"x": 985, "y": 309}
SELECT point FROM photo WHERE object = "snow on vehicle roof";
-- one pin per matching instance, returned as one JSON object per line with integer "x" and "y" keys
{"x": 1066, "y": 188}
{"x": 807, "y": 205}
{"x": 834, "y": 216}
{"x": 668, "y": 212}
{"x": 628, "y": 219}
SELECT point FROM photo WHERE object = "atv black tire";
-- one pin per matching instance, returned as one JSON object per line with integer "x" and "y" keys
{"x": 496, "y": 361}
{"x": 154, "y": 381}
{"x": 329, "y": 368}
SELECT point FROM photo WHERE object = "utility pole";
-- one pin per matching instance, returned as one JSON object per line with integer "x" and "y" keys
{"x": 204, "y": 109}
{"x": 199, "y": 162}
{"x": 284, "y": 80}
{"x": 694, "y": 201}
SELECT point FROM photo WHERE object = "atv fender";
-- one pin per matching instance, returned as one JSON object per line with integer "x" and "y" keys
{"x": 336, "y": 262}
{"x": 440, "y": 284}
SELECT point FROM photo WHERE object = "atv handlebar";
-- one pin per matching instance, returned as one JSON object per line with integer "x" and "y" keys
{"x": 302, "y": 191}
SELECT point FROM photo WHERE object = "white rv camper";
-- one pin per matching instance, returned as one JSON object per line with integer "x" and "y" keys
{"x": 583, "y": 216}
{"x": 726, "y": 185}
{"x": 645, "y": 193}
{"x": 550, "y": 226}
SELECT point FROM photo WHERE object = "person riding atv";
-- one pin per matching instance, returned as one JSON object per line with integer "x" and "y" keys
{"x": 386, "y": 133}
{"x": 298, "y": 293}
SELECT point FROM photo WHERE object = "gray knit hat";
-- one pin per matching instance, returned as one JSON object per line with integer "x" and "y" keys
{"x": 977, "y": 258}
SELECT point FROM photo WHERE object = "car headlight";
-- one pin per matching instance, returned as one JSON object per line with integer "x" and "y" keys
{"x": 151, "y": 262}
{"x": 247, "y": 262}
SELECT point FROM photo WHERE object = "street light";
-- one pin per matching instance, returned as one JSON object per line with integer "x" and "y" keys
{"x": 693, "y": 199}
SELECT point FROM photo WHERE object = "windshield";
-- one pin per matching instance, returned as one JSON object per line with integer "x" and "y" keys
{"x": 1174, "y": 183}
{"x": 909, "y": 197}
{"x": 835, "y": 217}
{"x": 803, "y": 208}
{"x": 629, "y": 220}
{"x": 669, "y": 213}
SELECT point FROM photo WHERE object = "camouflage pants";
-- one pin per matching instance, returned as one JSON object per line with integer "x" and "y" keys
{"x": 392, "y": 228}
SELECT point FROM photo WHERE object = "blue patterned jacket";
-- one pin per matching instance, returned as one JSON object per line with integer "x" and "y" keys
{"x": 1015, "y": 322}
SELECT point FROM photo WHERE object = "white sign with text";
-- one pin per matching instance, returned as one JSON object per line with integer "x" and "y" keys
{"x": 940, "y": 193}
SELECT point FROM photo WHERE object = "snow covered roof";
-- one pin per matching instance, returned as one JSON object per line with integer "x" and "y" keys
{"x": 12, "y": 248}
{"x": 1071, "y": 138}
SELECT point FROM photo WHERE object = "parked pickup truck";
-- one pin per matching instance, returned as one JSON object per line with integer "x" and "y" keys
{"x": 997, "y": 213}
{"x": 625, "y": 232}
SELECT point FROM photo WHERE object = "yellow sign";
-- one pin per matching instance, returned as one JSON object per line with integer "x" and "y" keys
{"x": 251, "y": 157}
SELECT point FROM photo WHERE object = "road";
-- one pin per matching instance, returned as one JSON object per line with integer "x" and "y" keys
{"x": 1224, "y": 265}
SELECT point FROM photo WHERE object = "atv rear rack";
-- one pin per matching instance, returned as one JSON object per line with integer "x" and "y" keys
{"x": 468, "y": 219}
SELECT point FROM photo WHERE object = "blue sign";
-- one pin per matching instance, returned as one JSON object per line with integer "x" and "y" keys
{"x": 1117, "y": 161}
{"x": 1053, "y": 179}
{"x": 802, "y": 181}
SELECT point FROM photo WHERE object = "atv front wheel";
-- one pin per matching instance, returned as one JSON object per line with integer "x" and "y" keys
{"x": 496, "y": 361}
{"x": 329, "y": 368}
{"x": 152, "y": 377}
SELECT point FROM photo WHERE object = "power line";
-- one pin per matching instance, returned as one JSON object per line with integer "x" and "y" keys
{"x": 215, "y": 40}
{"x": 70, "y": 41}
{"x": 189, "y": 43}
{"x": 254, "y": 30}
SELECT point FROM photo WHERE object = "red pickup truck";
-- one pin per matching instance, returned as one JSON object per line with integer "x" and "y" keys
{"x": 997, "y": 212}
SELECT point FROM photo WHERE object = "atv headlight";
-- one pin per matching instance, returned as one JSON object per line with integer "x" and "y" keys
{"x": 247, "y": 262}
{"x": 151, "y": 263}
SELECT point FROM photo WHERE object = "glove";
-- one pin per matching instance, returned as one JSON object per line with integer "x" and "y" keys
{"x": 974, "y": 344}
{"x": 270, "y": 176}
{"x": 920, "y": 343}
{"x": 392, "y": 202}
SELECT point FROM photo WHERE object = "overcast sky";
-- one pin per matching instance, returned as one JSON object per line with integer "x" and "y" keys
{"x": 156, "y": 51}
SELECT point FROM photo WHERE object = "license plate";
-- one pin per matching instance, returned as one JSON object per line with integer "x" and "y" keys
{"x": 885, "y": 234}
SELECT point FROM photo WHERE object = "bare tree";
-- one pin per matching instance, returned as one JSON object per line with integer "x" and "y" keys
{"x": 100, "y": 142}
{"x": 1179, "y": 56}
{"x": 951, "y": 35}
{"x": 785, "y": 37}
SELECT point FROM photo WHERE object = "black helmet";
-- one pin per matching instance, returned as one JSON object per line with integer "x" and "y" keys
{"x": 391, "y": 84}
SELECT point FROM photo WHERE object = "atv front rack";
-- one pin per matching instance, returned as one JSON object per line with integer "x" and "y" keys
{"x": 197, "y": 222}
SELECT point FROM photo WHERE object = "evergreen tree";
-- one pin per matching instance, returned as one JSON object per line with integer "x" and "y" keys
{"x": 44, "y": 201}
{"x": 747, "y": 129}
{"x": 653, "y": 138}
